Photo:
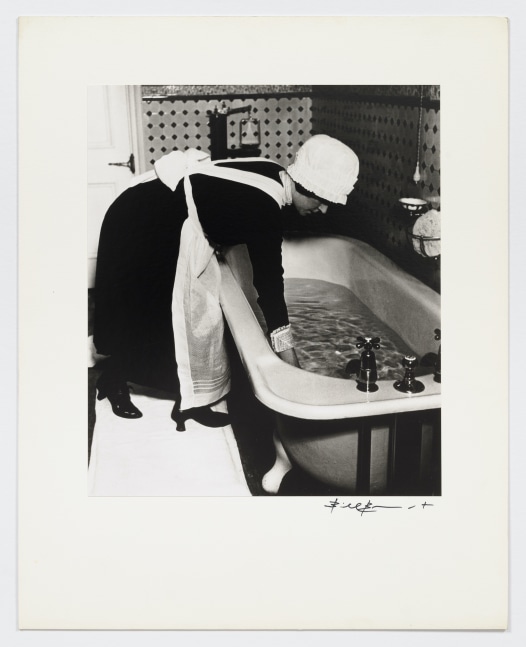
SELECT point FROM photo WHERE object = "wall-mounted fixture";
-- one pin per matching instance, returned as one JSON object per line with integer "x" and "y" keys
{"x": 425, "y": 234}
{"x": 249, "y": 134}
{"x": 413, "y": 206}
{"x": 416, "y": 176}
{"x": 422, "y": 226}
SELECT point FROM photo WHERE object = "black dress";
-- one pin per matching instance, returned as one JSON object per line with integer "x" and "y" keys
{"x": 137, "y": 259}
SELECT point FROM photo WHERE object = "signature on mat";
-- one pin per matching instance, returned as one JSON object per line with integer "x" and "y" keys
{"x": 368, "y": 507}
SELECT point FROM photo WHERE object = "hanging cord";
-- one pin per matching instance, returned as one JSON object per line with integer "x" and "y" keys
{"x": 416, "y": 176}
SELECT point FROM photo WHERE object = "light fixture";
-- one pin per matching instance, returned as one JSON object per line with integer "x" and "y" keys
{"x": 249, "y": 133}
{"x": 416, "y": 176}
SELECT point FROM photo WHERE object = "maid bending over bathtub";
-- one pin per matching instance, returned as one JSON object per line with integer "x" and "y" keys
{"x": 157, "y": 312}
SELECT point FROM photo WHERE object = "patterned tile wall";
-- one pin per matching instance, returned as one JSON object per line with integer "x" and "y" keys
{"x": 182, "y": 123}
{"x": 385, "y": 138}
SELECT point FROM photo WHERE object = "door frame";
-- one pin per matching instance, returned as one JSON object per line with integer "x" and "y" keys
{"x": 131, "y": 103}
{"x": 134, "y": 103}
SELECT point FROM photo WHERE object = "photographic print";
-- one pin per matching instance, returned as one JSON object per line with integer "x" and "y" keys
{"x": 309, "y": 333}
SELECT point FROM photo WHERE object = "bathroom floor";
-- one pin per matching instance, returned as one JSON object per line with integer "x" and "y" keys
{"x": 253, "y": 426}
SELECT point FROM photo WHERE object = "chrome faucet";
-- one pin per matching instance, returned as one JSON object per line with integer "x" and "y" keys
{"x": 438, "y": 370}
{"x": 367, "y": 375}
{"x": 409, "y": 384}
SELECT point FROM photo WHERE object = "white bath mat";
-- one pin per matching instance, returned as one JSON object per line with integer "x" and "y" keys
{"x": 149, "y": 457}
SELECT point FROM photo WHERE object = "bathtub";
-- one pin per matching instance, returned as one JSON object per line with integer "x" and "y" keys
{"x": 384, "y": 442}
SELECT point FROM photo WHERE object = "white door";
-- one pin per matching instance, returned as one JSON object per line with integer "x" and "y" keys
{"x": 114, "y": 137}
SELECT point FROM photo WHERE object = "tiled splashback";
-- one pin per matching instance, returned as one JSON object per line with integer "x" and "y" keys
{"x": 384, "y": 135}
{"x": 178, "y": 123}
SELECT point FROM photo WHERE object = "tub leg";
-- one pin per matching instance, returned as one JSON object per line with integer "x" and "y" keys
{"x": 272, "y": 479}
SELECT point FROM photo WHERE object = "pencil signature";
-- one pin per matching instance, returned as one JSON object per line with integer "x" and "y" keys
{"x": 363, "y": 508}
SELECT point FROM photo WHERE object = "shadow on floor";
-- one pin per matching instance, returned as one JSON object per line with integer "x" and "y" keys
{"x": 252, "y": 423}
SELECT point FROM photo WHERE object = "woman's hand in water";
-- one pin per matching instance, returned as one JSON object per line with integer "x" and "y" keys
{"x": 289, "y": 356}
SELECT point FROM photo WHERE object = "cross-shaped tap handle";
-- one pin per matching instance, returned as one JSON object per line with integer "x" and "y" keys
{"x": 368, "y": 342}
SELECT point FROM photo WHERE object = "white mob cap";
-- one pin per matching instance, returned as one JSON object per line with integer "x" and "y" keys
{"x": 326, "y": 167}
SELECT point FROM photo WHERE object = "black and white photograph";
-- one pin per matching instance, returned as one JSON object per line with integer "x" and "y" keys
{"x": 264, "y": 290}
{"x": 236, "y": 296}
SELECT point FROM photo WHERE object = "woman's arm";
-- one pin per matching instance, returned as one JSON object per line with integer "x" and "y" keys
{"x": 267, "y": 277}
{"x": 265, "y": 256}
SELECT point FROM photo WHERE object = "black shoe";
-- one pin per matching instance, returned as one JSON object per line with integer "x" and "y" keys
{"x": 119, "y": 398}
{"x": 203, "y": 415}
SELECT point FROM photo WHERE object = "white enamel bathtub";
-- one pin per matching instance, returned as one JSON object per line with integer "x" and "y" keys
{"x": 355, "y": 448}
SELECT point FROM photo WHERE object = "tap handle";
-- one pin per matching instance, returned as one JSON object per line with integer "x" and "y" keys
{"x": 409, "y": 384}
{"x": 368, "y": 342}
{"x": 438, "y": 369}
{"x": 409, "y": 361}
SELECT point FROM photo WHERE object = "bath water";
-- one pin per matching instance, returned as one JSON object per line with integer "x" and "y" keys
{"x": 326, "y": 320}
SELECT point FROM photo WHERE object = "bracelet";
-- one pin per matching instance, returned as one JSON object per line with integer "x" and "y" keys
{"x": 281, "y": 339}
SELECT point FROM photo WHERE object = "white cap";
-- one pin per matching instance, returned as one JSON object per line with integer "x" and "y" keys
{"x": 326, "y": 167}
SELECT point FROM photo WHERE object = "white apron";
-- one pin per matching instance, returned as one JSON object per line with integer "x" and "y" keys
{"x": 202, "y": 362}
